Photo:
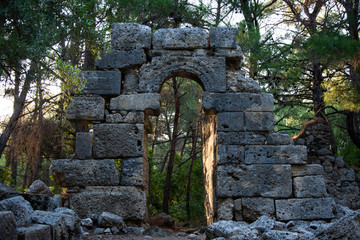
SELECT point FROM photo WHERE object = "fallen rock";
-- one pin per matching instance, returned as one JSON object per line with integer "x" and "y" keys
{"x": 55, "y": 220}
{"x": 39, "y": 188}
{"x": 138, "y": 231}
{"x": 162, "y": 220}
{"x": 36, "y": 231}
{"x": 20, "y": 207}
{"x": 228, "y": 229}
{"x": 157, "y": 232}
{"x": 7, "y": 225}
{"x": 264, "y": 223}
{"x": 87, "y": 222}
{"x": 106, "y": 220}
{"x": 8, "y": 192}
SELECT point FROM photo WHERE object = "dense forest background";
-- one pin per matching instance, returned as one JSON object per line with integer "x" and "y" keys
{"x": 305, "y": 52}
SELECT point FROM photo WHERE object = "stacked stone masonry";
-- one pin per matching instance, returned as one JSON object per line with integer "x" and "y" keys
{"x": 254, "y": 171}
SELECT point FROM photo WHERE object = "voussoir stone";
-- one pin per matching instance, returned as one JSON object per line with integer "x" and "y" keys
{"x": 254, "y": 180}
{"x": 304, "y": 209}
{"x": 70, "y": 173}
{"x": 86, "y": 109}
{"x": 238, "y": 102}
{"x": 126, "y": 201}
{"x": 102, "y": 82}
{"x": 116, "y": 59}
{"x": 180, "y": 38}
{"x": 118, "y": 140}
{"x": 223, "y": 37}
{"x": 136, "y": 102}
{"x": 126, "y": 36}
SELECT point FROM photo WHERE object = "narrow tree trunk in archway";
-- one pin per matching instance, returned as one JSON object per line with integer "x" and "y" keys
{"x": 170, "y": 166}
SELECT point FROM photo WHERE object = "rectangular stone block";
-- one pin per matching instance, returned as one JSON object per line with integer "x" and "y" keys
{"x": 83, "y": 145}
{"x": 307, "y": 170}
{"x": 240, "y": 138}
{"x": 254, "y": 181}
{"x": 126, "y": 36}
{"x": 131, "y": 81}
{"x": 230, "y": 121}
{"x": 223, "y": 37}
{"x": 132, "y": 172}
{"x": 126, "y": 201}
{"x": 238, "y": 102}
{"x": 86, "y": 109}
{"x": 259, "y": 121}
{"x": 238, "y": 209}
{"x": 304, "y": 209}
{"x": 180, "y": 38}
{"x": 278, "y": 139}
{"x": 225, "y": 209}
{"x": 118, "y": 140}
{"x": 269, "y": 154}
{"x": 102, "y": 82}
{"x": 309, "y": 186}
{"x": 136, "y": 102}
{"x": 253, "y": 208}
{"x": 128, "y": 117}
{"x": 7, "y": 225}
{"x": 121, "y": 59}
{"x": 36, "y": 231}
{"x": 70, "y": 173}
{"x": 230, "y": 154}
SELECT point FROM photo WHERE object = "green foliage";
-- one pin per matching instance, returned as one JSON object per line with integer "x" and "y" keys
{"x": 5, "y": 176}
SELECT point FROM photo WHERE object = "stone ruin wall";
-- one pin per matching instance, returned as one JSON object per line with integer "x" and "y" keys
{"x": 342, "y": 181}
{"x": 249, "y": 169}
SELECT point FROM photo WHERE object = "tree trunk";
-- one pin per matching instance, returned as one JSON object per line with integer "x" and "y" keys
{"x": 193, "y": 158}
{"x": 317, "y": 90}
{"x": 167, "y": 187}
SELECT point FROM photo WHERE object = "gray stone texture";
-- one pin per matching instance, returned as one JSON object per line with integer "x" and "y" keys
{"x": 7, "y": 225}
{"x": 309, "y": 186}
{"x": 70, "y": 173}
{"x": 230, "y": 154}
{"x": 283, "y": 154}
{"x": 304, "y": 209}
{"x": 180, "y": 38}
{"x": 55, "y": 220}
{"x": 259, "y": 121}
{"x": 125, "y": 201}
{"x": 230, "y": 121}
{"x": 83, "y": 145}
{"x": 223, "y": 37}
{"x": 39, "y": 187}
{"x": 210, "y": 72}
{"x": 8, "y": 192}
{"x": 241, "y": 138}
{"x": 254, "y": 181}
{"x": 116, "y": 59}
{"x": 225, "y": 209}
{"x": 127, "y": 36}
{"x": 127, "y": 117}
{"x": 237, "y": 82}
{"x": 347, "y": 174}
{"x": 86, "y": 109}
{"x": 253, "y": 208}
{"x": 238, "y": 209}
{"x": 132, "y": 172}
{"x": 136, "y": 102}
{"x": 238, "y": 102}
{"x": 131, "y": 81}
{"x": 36, "y": 231}
{"x": 278, "y": 139}
{"x": 108, "y": 220}
{"x": 229, "y": 229}
{"x": 307, "y": 170}
{"x": 107, "y": 83}
{"x": 21, "y": 208}
{"x": 118, "y": 140}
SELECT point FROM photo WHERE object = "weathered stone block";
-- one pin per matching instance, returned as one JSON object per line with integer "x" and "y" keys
{"x": 304, "y": 209}
{"x": 107, "y": 219}
{"x": 127, "y": 202}
{"x": 126, "y": 36}
{"x": 118, "y": 140}
{"x": 230, "y": 121}
{"x": 278, "y": 139}
{"x": 309, "y": 186}
{"x": 131, "y": 81}
{"x": 238, "y": 102}
{"x": 121, "y": 59}
{"x": 259, "y": 121}
{"x": 132, "y": 172}
{"x": 55, "y": 220}
{"x": 240, "y": 138}
{"x": 225, "y": 209}
{"x": 180, "y": 38}
{"x": 86, "y": 109}
{"x": 254, "y": 180}
{"x": 253, "y": 208}
{"x": 128, "y": 117}
{"x": 102, "y": 82}
{"x": 70, "y": 173}
{"x": 136, "y": 102}
{"x": 36, "y": 231}
{"x": 7, "y": 225}
{"x": 223, "y": 37}
{"x": 238, "y": 209}
{"x": 268, "y": 154}
{"x": 228, "y": 154}
{"x": 83, "y": 145}
{"x": 237, "y": 82}
{"x": 307, "y": 170}
{"x": 347, "y": 174}
{"x": 21, "y": 208}
{"x": 211, "y": 71}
